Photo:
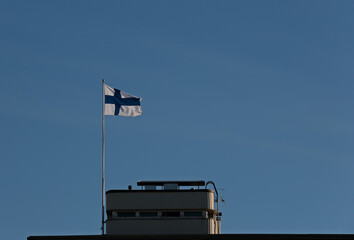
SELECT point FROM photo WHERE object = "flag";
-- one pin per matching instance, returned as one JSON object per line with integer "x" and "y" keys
{"x": 120, "y": 103}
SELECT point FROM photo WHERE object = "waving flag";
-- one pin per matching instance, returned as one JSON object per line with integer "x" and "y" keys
{"x": 120, "y": 103}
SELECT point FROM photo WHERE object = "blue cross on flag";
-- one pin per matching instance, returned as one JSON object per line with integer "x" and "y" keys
{"x": 120, "y": 103}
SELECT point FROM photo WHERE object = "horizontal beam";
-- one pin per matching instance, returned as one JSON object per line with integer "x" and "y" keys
{"x": 179, "y": 183}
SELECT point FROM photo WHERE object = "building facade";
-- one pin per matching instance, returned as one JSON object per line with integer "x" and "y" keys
{"x": 162, "y": 207}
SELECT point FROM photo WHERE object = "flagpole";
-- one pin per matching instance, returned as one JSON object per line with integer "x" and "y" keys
{"x": 103, "y": 166}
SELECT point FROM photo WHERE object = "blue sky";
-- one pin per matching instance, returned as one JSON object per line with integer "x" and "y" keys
{"x": 254, "y": 95}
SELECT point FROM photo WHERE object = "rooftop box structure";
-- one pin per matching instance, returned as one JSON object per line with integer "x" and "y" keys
{"x": 162, "y": 207}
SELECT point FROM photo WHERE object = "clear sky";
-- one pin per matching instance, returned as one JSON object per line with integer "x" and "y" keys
{"x": 254, "y": 95}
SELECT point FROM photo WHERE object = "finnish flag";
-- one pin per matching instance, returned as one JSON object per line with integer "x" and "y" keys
{"x": 120, "y": 103}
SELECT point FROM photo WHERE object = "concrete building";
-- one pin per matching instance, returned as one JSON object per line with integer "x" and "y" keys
{"x": 163, "y": 207}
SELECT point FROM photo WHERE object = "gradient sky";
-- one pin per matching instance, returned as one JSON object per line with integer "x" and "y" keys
{"x": 254, "y": 95}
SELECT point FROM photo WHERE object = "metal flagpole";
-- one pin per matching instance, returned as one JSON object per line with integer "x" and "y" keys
{"x": 103, "y": 183}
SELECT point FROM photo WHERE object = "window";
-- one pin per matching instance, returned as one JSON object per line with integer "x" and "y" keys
{"x": 171, "y": 214}
{"x": 193, "y": 214}
{"x": 125, "y": 214}
{"x": 148, "y": 214}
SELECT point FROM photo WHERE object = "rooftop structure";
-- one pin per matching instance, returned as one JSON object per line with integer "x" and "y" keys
{"x": 163, "y": 207}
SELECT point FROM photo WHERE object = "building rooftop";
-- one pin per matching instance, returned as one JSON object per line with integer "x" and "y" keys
{"x": 162, "y": 207}
{"x": 201, "y": 237}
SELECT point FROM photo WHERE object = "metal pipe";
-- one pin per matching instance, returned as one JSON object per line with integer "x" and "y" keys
{"x": 217, "y": 204}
